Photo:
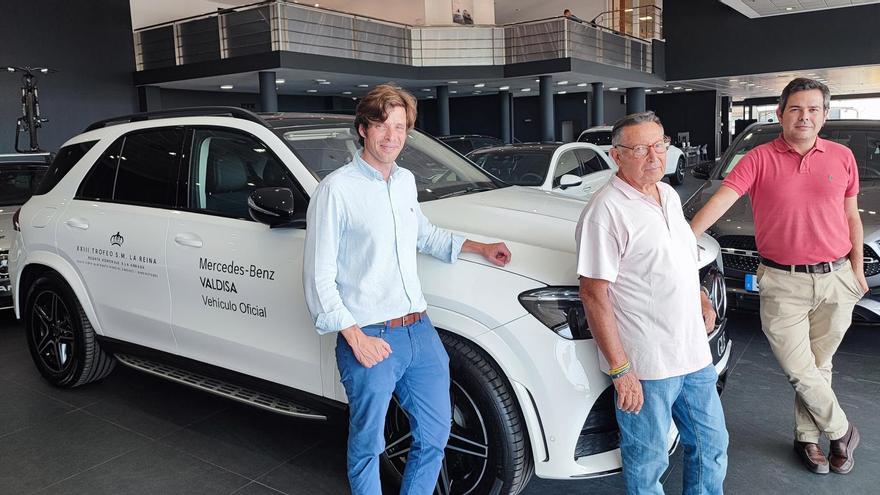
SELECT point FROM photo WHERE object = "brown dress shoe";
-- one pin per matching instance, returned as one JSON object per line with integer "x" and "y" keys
{"x": 842, "y": 451}
{"x": 812, "y": 457}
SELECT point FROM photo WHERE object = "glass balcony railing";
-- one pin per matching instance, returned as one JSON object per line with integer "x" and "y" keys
{"x": 283, "y": 26}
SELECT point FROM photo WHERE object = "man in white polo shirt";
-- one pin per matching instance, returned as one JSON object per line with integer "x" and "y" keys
{"x": 639, "y": 282}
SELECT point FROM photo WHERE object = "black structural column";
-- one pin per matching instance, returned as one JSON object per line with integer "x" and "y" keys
{"x": 597, "y": 106}
{"x": 635, "y": 100}
{"x": 443, "y": 110}
{"x": 149, "y": 98}
{"x": 547, "y": 117}
{"x": 504, "y": 102}
{"x": 268, "y": 92}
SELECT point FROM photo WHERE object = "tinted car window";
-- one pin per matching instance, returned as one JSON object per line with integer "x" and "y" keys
{"x": 18, "y": 182}
{"x": 439, "y": 172}
{"x": 98, "y": 182}
{"x": 516, "y": 167}
{"x": 591, "y": 161}
{"x": 66, "y": 158}
{"x": 147, "y": 170}
{"x": 226, "y": 167}
{"x": 601, "y": 138}
{"x": 568, "y": 164}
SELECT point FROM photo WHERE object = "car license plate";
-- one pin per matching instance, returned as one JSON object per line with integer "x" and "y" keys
{"x": 751, "y": 282}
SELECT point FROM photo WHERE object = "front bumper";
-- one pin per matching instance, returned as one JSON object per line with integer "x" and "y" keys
{"x": 566, "y": 400}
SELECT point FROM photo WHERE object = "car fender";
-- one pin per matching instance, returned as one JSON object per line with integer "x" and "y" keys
{"x": 68, "y": 273}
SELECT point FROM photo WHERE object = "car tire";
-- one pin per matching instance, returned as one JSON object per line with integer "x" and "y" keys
{"x": 486, "y": 419}
{"x": 677, "y": 178}
{"x": 61, "y": 340}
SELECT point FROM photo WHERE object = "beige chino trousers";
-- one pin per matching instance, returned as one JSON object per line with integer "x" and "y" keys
{"x": 805, "y": 317}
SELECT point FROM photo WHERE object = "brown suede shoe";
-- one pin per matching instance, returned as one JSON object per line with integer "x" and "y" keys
{"x": 812, "y": 457}
{"x": 842, "y": 451}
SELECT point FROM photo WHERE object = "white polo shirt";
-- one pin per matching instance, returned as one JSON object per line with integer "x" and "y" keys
{"x": 648, "y": 253}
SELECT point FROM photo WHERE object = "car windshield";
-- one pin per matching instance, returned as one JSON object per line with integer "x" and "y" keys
{"x": 863, "y": 141}
{"x": 18, "y": 182}
{"x": 600, "y": 138}
{"x": 439, "y": 171}
{"x": 515, "y": 166}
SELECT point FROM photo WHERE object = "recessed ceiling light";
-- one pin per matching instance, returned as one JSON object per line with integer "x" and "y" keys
{"x": 789, "y": 8}
{"x": 743, "y": 82}
{"x": 537, "y": 80}
{"x": 732, "y": 80}
{"x": 503, "y": 88}
{"x": 452, "y": 92}
{"x": 582, "y": 85}
{"x": 811, "y": 74}
{"x": 311, "y": 91}
{"x": 660, "y": 92}
{"x": 280, "y": 81}
{"x": 452, "y": 82}
{"x": 526, "y": 90}
{"x": 477, "y": 92}
{"x": 610, "y": 89}
{"x": 363, "y": 85}
{"x": 647, "y": 91}
{"x": 562, "y": 92}
{"x": 677, "y": 87}
{"x": 562, "y": 83}
{"x": 431, "y": 97}
{"x": 226, "y": 86}
{"x": 427, "y": 90}
{"x": 479, "y": 85}
{"x": 324, "y": 83}
{"x": 346, "y": 92}
{"x": 320, "y": 80}
{"x": 688, "y": 89}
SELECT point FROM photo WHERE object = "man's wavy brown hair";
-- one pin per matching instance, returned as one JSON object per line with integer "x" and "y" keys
{"x": 374, "y": 107}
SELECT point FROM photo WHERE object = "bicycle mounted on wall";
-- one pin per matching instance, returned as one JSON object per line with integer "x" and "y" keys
{"x": 30, "y": 119}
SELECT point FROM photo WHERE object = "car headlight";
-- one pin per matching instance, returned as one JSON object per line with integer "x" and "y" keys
{"x": 560, "y": 309}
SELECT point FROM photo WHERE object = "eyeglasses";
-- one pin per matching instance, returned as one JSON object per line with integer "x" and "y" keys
{"x": 641, "y": 150}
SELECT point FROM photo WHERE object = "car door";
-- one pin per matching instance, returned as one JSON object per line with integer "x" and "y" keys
{"x": 583, "y": 161}
{"x": 113, "y": 232}
{"x": 236, "y": 285}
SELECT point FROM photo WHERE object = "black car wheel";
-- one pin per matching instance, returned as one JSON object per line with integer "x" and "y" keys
{"x": 61, "y": 339}
{"x": 488, "y": 450}
{"x": 677, "y": 177}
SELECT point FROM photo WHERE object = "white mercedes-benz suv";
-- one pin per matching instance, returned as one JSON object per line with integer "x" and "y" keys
{"x": 172, "y": 242}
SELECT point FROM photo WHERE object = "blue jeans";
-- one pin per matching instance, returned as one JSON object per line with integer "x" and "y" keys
{"x": 417, "y": 371}
{"x": 693, "y": 403}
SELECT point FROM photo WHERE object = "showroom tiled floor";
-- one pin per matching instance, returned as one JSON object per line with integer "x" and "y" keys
{"x": 135, "y": 434}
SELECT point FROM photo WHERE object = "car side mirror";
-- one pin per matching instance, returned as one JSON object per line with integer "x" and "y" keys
{"x": 569, "y": 180}
{"x": 273, "y": 206}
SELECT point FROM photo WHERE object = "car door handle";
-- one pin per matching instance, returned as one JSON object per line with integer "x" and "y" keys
{"x": 77, "y": 223}
{"x": 190, "y": 240}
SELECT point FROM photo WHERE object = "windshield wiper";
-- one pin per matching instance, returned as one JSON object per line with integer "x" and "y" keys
{"x": 466, "y": 190}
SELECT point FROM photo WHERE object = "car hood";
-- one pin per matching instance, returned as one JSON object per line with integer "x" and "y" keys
{"x": 738, "y": 220}
{"x": 537, "y": 226}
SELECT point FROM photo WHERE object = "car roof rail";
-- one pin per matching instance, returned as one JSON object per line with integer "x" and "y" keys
{"x": 236, "y": 112}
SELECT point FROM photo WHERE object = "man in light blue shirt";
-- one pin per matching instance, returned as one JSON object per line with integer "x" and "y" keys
{"x": 365, "y": 228}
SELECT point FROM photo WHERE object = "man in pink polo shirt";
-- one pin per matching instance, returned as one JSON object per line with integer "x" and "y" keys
{"x": 809, "y": 234}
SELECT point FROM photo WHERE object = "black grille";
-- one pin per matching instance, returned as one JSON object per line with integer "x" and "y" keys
{"x": 600, "y": 432}
{"x": 749, "y": 264}
{"x": 872, "y": 262}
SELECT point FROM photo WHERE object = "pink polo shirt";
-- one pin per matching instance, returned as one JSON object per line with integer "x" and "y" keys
{"x": 648, "y": 253}
{"x": 798, "y": 201}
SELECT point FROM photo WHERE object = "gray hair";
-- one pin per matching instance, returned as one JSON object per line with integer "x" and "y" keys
{"x": 630, "y": 120}
{"x": 804, "y": 84}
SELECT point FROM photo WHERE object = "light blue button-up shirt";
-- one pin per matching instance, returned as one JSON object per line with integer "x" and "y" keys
{"x": 361, "y": 247}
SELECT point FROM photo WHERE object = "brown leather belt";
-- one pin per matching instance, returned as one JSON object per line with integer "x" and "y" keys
{"x": 405, "y": 320}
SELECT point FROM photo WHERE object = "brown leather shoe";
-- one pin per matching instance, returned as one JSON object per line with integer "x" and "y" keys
{"x": 842, "y": 451}
{"x": 812, "y": 457}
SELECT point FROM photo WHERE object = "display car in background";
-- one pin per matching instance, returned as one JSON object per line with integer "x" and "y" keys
{"x": 675, "y": 159}
{"x": 173, "y": 243}
{"x": 735, "y": 230}
{"x": 574, "y": 169}
{"x": 466, "y": 143}
{"x": 20, "y": 173}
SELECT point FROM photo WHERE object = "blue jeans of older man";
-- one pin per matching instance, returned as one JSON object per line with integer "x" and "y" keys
{"x": 691, "y": 401}
{"x": 417, "y": 372}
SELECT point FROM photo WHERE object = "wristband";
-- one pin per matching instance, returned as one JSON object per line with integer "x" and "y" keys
{"x": 620, "y": 371}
